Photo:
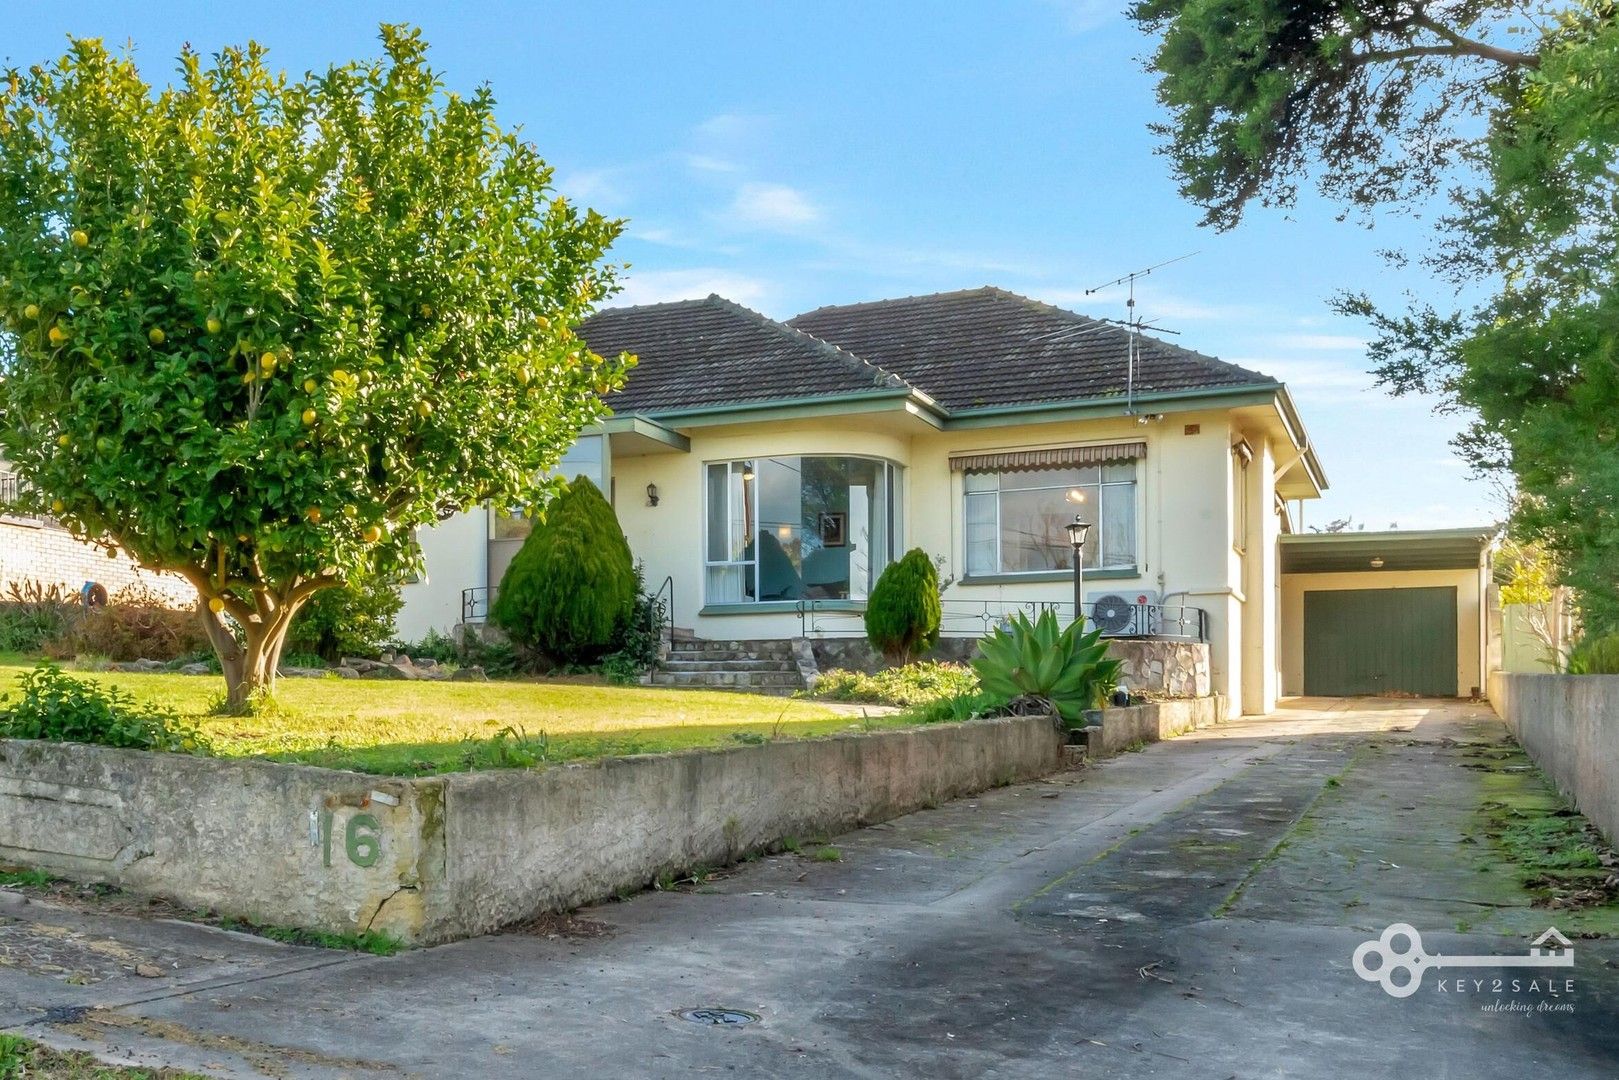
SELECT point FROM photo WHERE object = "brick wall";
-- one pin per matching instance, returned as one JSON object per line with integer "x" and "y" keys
{"x": 32, "y": 550}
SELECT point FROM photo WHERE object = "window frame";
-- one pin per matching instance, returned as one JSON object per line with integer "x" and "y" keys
{"x": 893, "y": 514}
{"x": 999, "y": 573}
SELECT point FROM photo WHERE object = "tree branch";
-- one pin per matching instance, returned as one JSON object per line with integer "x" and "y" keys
{"x": 1465, "y": 46}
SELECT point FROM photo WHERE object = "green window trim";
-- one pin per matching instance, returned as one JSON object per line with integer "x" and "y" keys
{"x": 766, "y": 607}
{"x": 1110, "y": 574}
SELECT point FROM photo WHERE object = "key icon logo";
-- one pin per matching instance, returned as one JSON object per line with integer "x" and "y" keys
{"x": 1398, "y": 961}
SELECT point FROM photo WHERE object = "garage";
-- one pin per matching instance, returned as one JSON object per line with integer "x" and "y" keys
{"x": 1399, "y": 613}
{"x": 1380, "y": 641}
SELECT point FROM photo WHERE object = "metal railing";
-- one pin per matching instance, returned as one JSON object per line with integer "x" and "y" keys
{"x": 663, "y": 603}
{"x": 475, "y": 603}
{"x": 961, "y": 618}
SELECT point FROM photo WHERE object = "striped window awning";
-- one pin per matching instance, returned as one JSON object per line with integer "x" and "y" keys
{"x": 1062, "y": 457}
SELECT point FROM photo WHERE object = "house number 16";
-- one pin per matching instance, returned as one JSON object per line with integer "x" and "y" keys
{"x": 362, "y": 839}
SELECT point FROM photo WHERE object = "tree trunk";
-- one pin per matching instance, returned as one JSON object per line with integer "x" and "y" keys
{"x": 249, "y": 666}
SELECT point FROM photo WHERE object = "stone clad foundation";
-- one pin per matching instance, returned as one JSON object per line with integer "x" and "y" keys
{"x": 438, "y": 858}
{"x": 1150, "y": 665}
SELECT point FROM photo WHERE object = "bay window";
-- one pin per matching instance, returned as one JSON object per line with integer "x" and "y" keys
{"x": 784, "y": 529}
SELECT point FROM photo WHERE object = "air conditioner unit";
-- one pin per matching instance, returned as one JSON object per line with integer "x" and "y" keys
{"x": 1124, "y": 614}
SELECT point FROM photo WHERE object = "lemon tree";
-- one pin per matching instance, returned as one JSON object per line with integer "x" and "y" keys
{"x": 258, "y": 329}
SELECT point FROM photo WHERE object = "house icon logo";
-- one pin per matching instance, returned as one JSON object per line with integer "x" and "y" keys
{"x": 1558, "y": 945}
{"x": 1398, "y": 961}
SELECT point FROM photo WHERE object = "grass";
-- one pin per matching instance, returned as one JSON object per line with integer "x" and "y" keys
{"x": 415, "y": 728}
{"x": 28, "y": 879}
{"x": 375, "y": 942}
{"x": 21, "y": 1059}
{"x": 912, "y": 684}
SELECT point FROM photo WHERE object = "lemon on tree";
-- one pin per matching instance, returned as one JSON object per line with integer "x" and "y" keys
{"x": 222, "y": 473}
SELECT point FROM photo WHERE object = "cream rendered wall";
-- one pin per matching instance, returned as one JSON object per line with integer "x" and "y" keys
{"x": 1182, "y": 518}
{"x": 455, "y": 553}
{"x": 1260, "y": 569}
{"x": 1469, "y": 618}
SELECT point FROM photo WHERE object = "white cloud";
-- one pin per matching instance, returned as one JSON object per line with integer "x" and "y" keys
{"x": 594, "y": 185}
{"x": 1310, "y": 375}
{"x": 724, "y": 127}
{"x": 1321, "y": 342}
{"x": 776, "y": 207}
{"x": 1082, "y": 15}
{"x": 710, "y": 163}
{"x": 661, "y": 286}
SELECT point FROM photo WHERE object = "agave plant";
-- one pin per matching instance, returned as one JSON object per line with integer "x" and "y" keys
{"x": 1039, "y": 660}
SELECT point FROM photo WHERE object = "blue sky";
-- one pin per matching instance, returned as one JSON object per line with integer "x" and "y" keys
{"x": 789, "y": 155}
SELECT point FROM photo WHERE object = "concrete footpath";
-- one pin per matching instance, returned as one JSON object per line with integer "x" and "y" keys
{"x": 1187, "y": 911}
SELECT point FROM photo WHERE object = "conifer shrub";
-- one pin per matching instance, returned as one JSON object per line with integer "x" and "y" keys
{"x": 571, "y": 587}
{"x": 902, "y": 613}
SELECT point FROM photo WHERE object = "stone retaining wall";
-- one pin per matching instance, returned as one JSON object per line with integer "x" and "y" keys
{"x": 443, "y": 857}
{"x": 1569, "y": 725}
{"x": 1174, "y": 668}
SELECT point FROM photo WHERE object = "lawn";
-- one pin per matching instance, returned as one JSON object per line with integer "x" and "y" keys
{"x": 411, "y": 728}
{"x": 21, "y": 1059}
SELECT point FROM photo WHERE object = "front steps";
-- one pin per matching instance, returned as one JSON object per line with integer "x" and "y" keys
{"x": 761, "y": 667}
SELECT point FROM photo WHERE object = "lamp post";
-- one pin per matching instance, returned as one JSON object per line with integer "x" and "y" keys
{"x": 1077, "y": 531}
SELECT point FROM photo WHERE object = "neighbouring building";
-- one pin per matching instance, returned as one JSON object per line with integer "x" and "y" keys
{"x": 765, "y": 473}
{"x": 36, "y": 550}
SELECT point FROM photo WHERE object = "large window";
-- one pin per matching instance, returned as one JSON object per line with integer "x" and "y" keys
{"x": 798, "y": 528}
{"x": 1016, "y": 519}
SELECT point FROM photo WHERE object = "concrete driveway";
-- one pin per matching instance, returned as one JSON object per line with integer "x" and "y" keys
{"x": 1187, "y": 911}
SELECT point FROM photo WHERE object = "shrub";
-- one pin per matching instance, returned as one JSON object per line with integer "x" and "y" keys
{"x": 636, "y": 645}
{"x": 497, "y": 658}
{"x": 902, "y": 613}
{"x": 435, "y": 646}
{"x": 571, "y": 588}
{"x": 352, "y": 621}
{"x": 33, "y": 614}
{"x": 136, "y": 624}
{"x": 912, "y": 684}
{"x": 1037, "y": 662}
{"x": 1595, "y": 656}
{"x": 955, "y": 709}
{"x": 55, "y": 706}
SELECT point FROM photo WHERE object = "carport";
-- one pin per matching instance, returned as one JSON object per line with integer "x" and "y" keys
{"x": 1401, "y": 613}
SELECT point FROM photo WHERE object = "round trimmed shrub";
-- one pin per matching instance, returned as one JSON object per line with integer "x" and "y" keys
{"x": 902, "y": 613}
{"x": 572, "y": 585}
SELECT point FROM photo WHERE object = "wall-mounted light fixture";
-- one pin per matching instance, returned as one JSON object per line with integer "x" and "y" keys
{"x": 1377, "y": 562}
{"x": 652, "y": 494}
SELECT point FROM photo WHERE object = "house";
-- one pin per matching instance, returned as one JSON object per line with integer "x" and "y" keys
{"x": 767, "y": 472}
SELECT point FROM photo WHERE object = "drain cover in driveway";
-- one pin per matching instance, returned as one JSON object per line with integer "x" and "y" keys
{"x": 718, "y": 1017}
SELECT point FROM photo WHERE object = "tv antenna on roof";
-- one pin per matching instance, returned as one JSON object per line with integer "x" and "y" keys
{"x": 1132, "y": 323}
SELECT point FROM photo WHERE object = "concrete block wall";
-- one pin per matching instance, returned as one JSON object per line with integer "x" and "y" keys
{"x": 438, "y": 858}
{"x": 1109, "y": 731}
{"x": 1569, "y": 725}
{"x": 32, "y": 550}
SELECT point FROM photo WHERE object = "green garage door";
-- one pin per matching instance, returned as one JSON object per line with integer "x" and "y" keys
{"x": 1374, "y": 641}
